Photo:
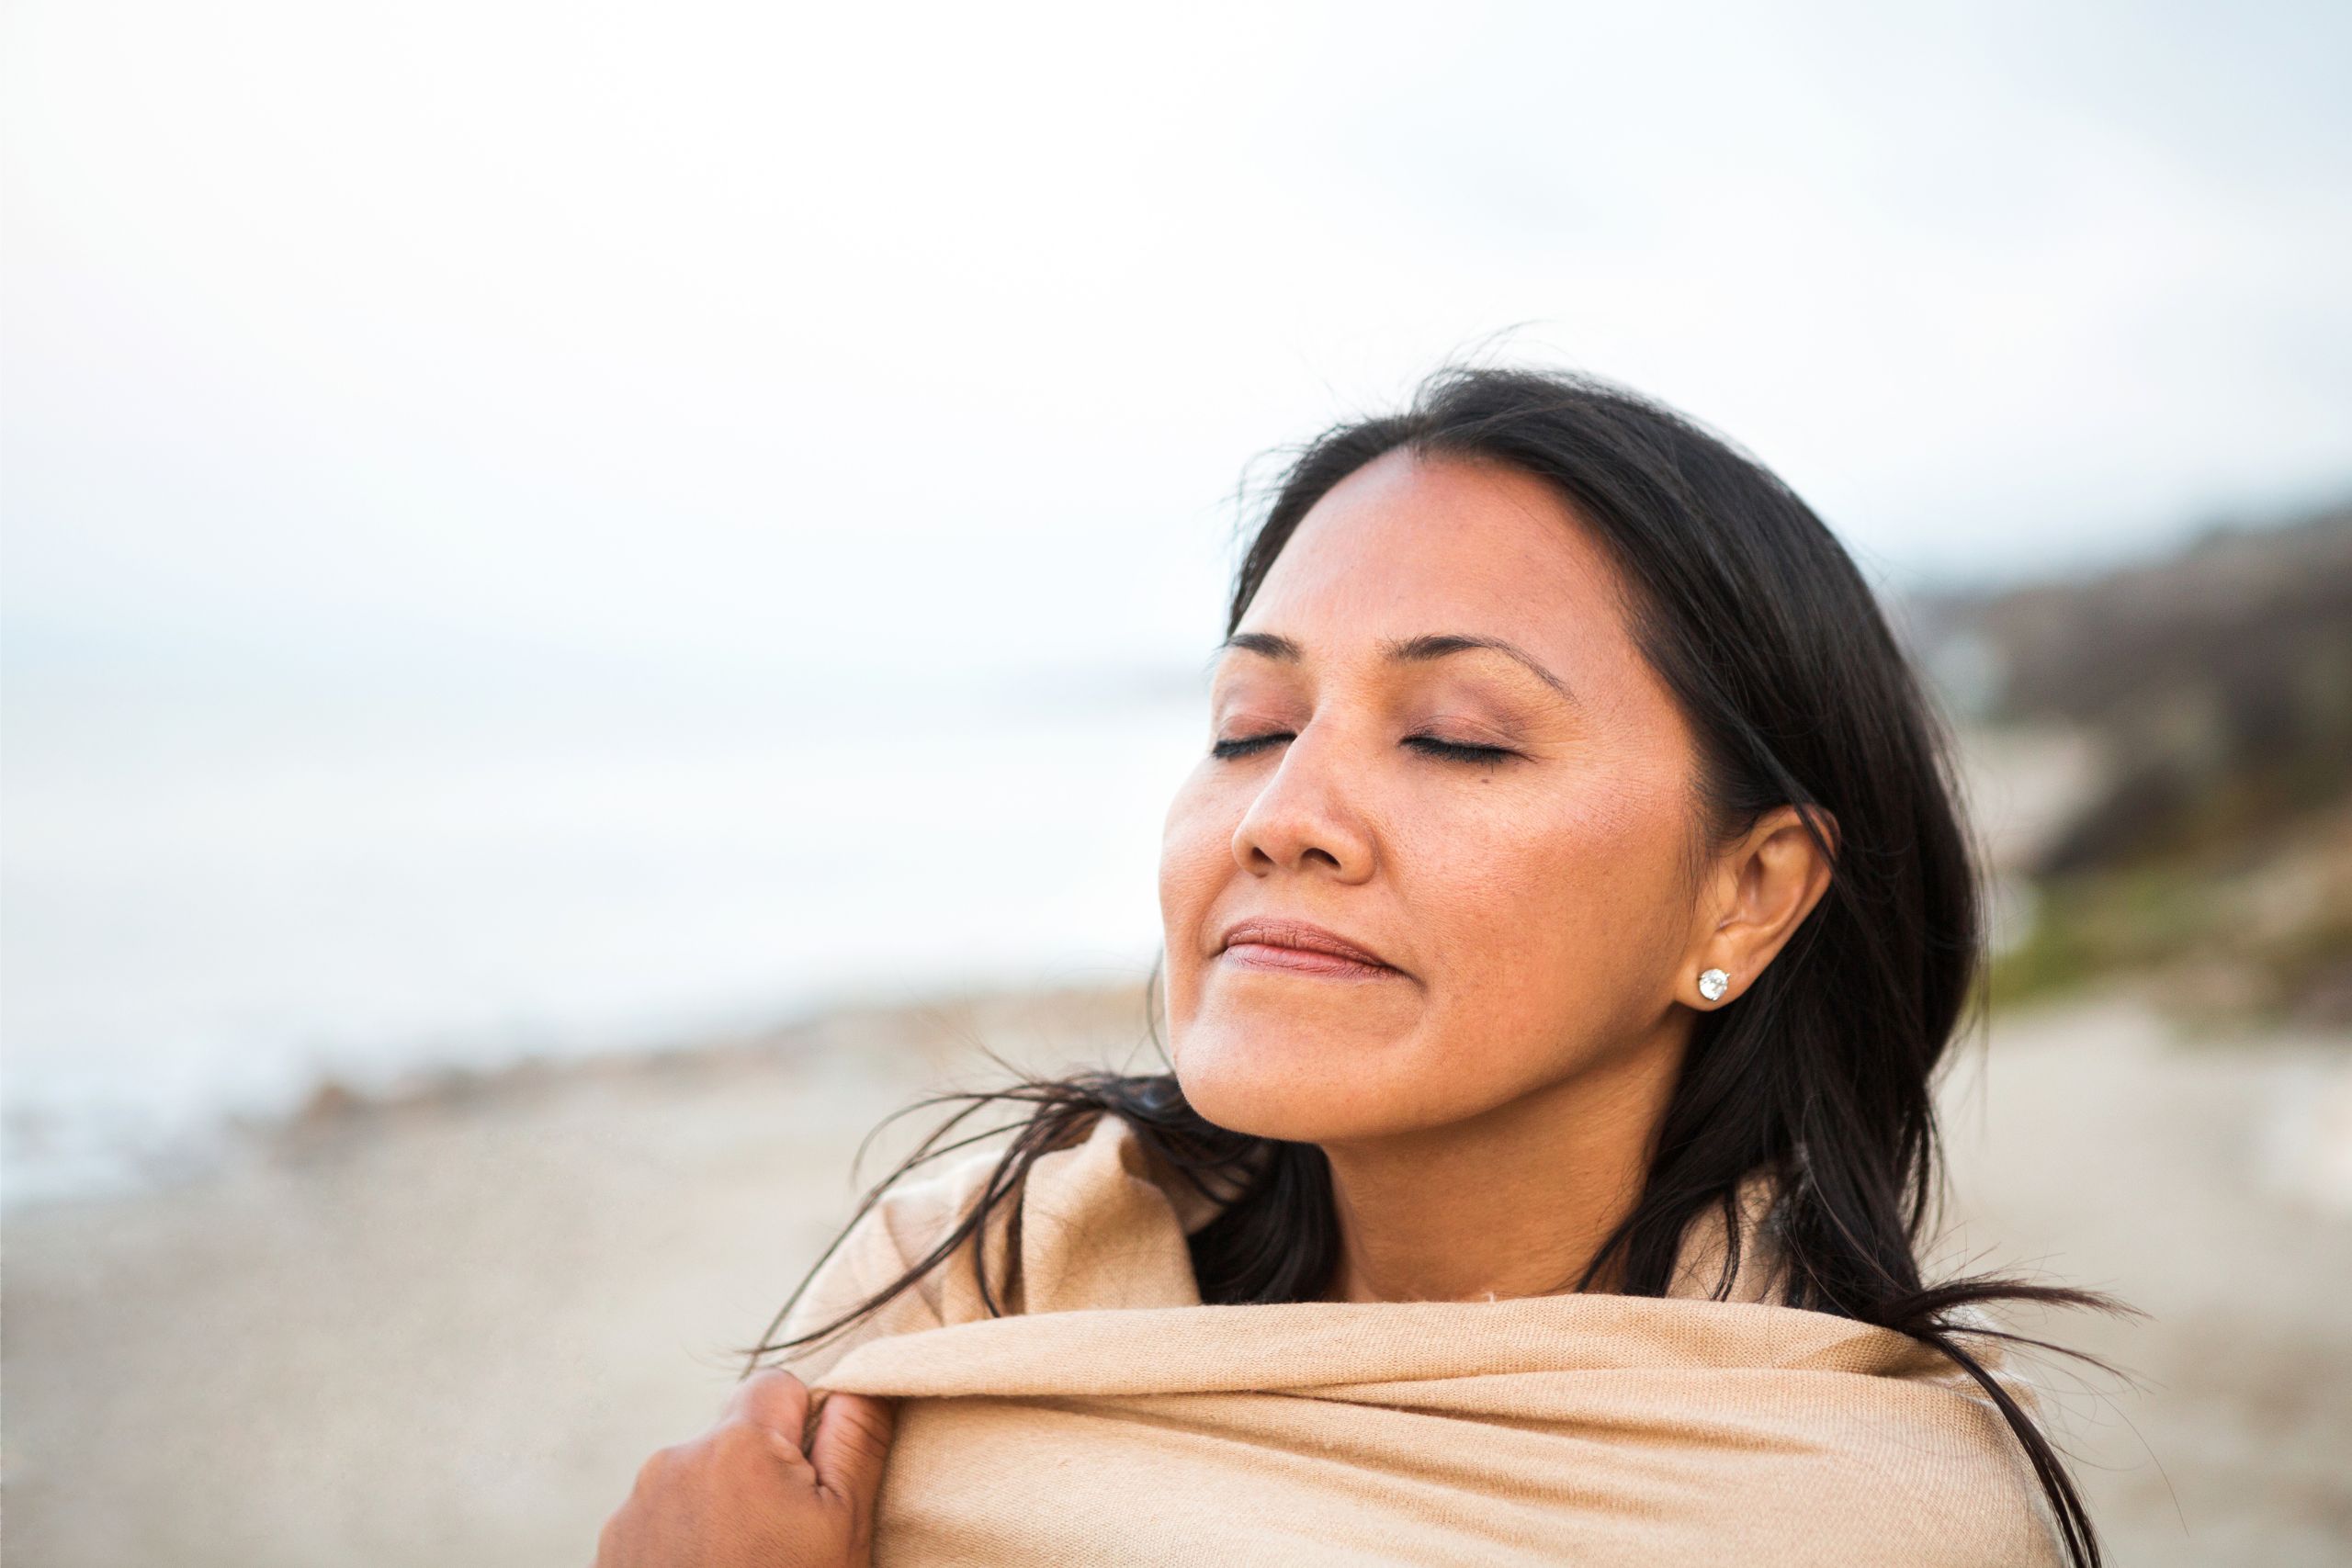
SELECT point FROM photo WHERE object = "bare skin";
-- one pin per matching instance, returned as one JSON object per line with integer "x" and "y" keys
{"x": 1543, "y": 909}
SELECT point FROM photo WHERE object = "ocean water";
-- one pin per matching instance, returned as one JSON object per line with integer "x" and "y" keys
{"x": 212, "y": 899}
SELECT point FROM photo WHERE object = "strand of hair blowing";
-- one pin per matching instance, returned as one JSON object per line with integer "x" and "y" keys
{"x": 1821, "y": 1074}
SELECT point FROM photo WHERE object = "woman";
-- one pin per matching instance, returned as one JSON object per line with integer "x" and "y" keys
{"x": 1562, "y": 930}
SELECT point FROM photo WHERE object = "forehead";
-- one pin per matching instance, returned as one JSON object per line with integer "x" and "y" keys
{"x": 1408, "y": 546}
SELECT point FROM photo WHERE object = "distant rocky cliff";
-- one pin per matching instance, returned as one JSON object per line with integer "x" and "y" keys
{"x": 2217, "y": 685}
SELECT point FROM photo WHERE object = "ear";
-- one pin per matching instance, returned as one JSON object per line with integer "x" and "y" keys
{"x": 1759, "y": 891}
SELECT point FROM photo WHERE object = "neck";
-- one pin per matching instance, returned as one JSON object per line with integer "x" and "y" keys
{"x": 1514, "y": 1202}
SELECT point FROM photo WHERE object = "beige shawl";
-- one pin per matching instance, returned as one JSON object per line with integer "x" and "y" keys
{"x": 1115, "y": 1418}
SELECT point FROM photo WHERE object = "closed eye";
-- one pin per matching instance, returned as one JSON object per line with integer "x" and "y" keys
{"x": 1429, "y": 745}
{"x": 1244, "y": 746}
{"x": 1457, "y": 751}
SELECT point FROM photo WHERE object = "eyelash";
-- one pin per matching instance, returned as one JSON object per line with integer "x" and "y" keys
{"x": 1451, "y": 751}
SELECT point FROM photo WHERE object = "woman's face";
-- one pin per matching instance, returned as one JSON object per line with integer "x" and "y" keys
{"x": 1532, "y": 903}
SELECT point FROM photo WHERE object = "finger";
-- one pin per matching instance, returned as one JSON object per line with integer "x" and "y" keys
{"x": 854, "y": 1432}
{"x": 773, "y": 1399}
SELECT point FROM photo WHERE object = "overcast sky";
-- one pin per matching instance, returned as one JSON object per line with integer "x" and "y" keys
{"x": 740, "y": 339}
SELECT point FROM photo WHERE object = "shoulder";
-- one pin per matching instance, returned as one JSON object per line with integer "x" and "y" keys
{"x": 1101, "y": 1223}
{"x": 902, "y": 1227}
{"x": 1939, "y": 1456}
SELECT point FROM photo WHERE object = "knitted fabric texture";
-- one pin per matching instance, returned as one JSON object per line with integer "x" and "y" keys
{"x": 1115, "y": 1418}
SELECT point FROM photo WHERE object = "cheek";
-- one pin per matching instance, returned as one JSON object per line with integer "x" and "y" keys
{"x": 1195, "y": 842}
{"x": 1552, "y": 916}
{"x": 1195, "y": 859}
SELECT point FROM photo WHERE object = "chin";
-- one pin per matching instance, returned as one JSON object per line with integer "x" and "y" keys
{"x": 1308, "y": 1080}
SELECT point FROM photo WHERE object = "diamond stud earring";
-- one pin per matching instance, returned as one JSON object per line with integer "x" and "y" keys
{"x": 1713, "y": 983}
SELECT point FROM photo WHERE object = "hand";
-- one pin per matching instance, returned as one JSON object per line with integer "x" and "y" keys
{"x": 744, "y": 1496}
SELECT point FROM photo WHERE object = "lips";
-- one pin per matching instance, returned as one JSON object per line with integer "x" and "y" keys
{"x": 1301, "y": 936}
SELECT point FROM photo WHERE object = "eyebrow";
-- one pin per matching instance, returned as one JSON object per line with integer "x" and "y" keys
{"x": 1410, "y": 650}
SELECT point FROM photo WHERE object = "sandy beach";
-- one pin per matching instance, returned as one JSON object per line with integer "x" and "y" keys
{"x": 445, "y": 1328}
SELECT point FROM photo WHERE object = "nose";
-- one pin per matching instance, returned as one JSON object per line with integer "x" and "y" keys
{"x": 1303, "y": 820}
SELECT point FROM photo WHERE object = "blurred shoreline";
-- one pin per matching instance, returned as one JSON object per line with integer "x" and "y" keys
{"x": 361, "y": 905}
{"x": 930, "y": 1022}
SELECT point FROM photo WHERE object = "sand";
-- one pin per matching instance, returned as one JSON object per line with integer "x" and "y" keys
{"x": 447, "y": 1330}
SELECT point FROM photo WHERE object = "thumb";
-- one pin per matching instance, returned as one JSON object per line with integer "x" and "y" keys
{"x": 775, "y": 1400}
{"x": 853, "y": 1440}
